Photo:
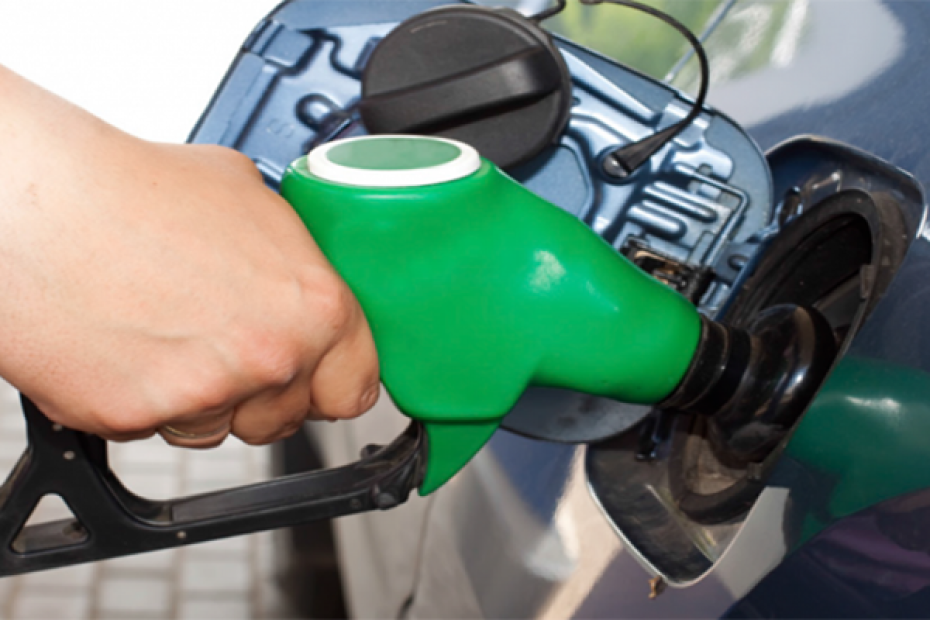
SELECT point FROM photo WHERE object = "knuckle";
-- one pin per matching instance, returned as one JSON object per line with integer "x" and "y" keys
{"x": 270, "y": 360}
{"x": 370, "y": 396}
{"x": 276, "y": 423}
{"x": 290, "y": 419}
{"x": 206, "y": 394}
{"x": 348, "y": 407}
{"x": 201, "y": 384}
{"x": 332, "y": 301}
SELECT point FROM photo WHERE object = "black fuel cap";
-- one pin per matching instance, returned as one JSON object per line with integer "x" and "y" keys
{"x": 488, "y": 77}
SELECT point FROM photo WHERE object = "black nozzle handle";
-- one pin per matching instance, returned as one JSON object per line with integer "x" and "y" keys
{"x": 110, "y": 521}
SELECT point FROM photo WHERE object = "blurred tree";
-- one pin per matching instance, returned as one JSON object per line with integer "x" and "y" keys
{"x": 636, "y": 39}
{"x": 755, "y": 34}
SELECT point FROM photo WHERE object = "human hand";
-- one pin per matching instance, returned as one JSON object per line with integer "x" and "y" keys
{"x": 150, "y": 285}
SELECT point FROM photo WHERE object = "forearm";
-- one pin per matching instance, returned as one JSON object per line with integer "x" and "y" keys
{"x": 40, "y": 129}
{"x": 48, "y": 152}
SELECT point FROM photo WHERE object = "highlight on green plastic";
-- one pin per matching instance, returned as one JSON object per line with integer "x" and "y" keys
{"x": 475, "y": 288}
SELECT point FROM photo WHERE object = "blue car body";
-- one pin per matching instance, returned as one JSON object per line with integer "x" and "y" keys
{"x": 836, "y": 523}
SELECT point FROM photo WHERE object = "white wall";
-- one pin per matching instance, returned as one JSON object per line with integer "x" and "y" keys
{"x": 146, "y": 66}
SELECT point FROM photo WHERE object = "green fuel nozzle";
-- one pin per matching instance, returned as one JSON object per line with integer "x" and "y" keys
{"x": 475, "y": 288}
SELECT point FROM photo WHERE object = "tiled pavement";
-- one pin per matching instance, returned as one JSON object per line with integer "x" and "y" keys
{"x": 228, "y": 579}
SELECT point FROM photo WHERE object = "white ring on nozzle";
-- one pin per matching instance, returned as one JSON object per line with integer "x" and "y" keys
{"x": 319, "y": 164}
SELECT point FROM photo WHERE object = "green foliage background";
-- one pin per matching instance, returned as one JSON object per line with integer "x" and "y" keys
{"x": 634, "y": 38}
{"x": 742, "y": 43}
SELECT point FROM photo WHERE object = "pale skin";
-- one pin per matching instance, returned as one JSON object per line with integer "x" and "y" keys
{"x": 149, "y": 284}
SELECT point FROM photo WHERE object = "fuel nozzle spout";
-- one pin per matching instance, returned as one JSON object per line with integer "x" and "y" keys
{"x": 754, "y": 383}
